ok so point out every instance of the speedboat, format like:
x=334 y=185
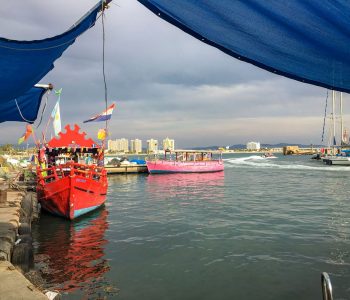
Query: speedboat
x=268 y=155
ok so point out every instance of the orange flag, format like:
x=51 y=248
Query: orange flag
x=26 y=135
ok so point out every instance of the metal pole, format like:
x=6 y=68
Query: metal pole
x=333 y=119
x=341 y=118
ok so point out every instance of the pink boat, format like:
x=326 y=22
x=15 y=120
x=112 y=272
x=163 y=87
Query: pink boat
x=185 y=161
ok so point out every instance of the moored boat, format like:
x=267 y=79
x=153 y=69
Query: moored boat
x=75 y=185
x=341 y=159
x=185 y=161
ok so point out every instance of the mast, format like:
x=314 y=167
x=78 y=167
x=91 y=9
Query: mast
x=333 y=120
x=341 y=119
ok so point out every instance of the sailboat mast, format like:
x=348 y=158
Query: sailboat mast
x=341 y=118
x=333 y=119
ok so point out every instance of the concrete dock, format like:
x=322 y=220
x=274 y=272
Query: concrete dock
x=14 y=286
x=17 y=210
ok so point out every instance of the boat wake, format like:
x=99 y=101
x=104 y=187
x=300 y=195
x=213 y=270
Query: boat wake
x=260 y=162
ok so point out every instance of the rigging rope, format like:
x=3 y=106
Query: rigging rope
x=43 y=110
x=20 y=113
x=104 y=6
x=324 y=118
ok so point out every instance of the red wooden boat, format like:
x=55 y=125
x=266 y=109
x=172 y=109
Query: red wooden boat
x=71 y=179
x=185 y=161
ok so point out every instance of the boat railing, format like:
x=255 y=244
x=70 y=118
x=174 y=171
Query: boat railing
x=188 y=162
x=326 y=286
x=46 y=175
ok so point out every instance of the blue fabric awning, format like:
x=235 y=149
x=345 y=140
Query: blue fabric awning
x=25 y=63
x=24 y=108
x=306 y=40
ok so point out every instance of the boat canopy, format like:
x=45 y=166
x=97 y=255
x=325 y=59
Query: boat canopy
x=72 y=139
x=24 y=108
x=25 y=63
x=305 y=40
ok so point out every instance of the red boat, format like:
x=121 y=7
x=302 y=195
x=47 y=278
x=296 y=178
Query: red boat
x=71 y=179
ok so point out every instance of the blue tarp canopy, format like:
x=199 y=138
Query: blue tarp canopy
x=306 y=40
x=24 y=108
x=24 y=63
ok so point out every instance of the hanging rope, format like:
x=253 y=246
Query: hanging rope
x=44 y=108
x=324 y=118
x=20 y=113
x=104 y=6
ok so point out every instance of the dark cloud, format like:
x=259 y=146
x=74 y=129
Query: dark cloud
x=165 y=82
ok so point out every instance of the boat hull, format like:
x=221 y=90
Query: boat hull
x=338 y=161
x=164 y=166
x=72 y=196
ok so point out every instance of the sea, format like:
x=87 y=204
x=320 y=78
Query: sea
x=262 y=229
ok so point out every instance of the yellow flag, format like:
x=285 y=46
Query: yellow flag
x=101 y=135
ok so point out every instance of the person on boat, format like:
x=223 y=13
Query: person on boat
x=42 y=161
x=88 y=160
x=100 y=158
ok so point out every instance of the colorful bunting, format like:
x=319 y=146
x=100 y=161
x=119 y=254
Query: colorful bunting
x=26 y=135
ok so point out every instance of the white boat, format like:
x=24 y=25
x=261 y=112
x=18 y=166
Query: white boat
x=342 y=159
x=339 y=161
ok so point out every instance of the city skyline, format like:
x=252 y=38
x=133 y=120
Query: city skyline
x=122 y=145
x=163 y=81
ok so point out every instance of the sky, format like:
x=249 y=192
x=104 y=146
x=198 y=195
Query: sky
x=165 y=83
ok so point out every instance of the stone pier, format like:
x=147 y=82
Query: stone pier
x=17 y=211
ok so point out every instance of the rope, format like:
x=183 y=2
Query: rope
x=103 y=61
x=44 y=109
x=324 y=118
x=20 y=113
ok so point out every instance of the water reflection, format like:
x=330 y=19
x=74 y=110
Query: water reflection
x=70 y=255
x=203 y=185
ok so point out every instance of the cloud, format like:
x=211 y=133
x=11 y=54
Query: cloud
x=165 y=82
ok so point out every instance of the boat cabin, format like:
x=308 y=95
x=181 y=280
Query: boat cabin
x=71 y=147
x=192 y=155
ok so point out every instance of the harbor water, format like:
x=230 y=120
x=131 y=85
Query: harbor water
x=262 y=229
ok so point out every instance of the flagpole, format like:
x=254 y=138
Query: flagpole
x=47 y=125
x=35 y=140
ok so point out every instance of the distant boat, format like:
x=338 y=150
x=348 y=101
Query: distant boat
x=268 y=155
x=71 y=187
x=342 y=159
x=186 y=161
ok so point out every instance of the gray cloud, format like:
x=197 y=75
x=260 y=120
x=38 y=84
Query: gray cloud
x=165 y=82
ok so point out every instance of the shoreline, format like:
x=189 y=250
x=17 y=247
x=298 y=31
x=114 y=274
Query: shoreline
x=20 y=280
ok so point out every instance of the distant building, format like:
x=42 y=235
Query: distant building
x=168 y=144
x=152 y=146
x=118 y=145
x=136 y=146
x=253 y=146
x=112 y=145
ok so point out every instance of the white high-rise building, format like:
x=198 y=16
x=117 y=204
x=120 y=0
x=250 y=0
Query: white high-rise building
x=253 y=146
x=136 y=146
x=168 y=144
x=118 y=145
x=122 y=145
x=152 y=146
x=112 y=145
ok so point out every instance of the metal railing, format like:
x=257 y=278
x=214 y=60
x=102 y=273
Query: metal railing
x=326 y=286
x=70 y=169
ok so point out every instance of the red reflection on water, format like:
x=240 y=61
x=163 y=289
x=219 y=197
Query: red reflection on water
x=205 y=185
x=70 y=254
